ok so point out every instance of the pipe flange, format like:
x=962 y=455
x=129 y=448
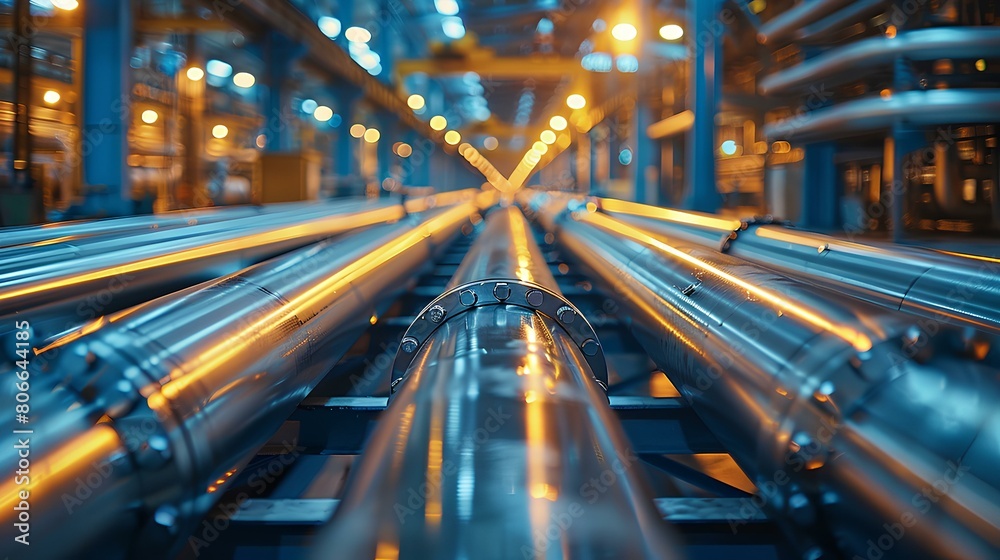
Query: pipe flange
x=501 y=292
x=759 y=220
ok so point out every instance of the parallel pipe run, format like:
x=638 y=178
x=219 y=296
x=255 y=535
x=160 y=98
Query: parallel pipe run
x=785 y=24
x=60 y=296
x=863 y=432
x=73 y=231
x=498 y=445
x=872 y=114
x=164 y=402
x=855 y=13
x=17 y=261
x=944 y=289
x=920 y=44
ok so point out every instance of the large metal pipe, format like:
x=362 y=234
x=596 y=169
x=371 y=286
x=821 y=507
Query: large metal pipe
x=498 y=444
x=784 y=25
x=64 y=232
x=872 y=114
x=60 y=296
x=54 y=251
x=944 y=289
x=146 y=414
x=851 y=15
x=848 y=62
x=866 y=435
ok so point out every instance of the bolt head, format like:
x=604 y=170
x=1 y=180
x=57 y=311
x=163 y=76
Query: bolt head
x=409 y=345
x=590 y=347
x=437 y=314
x=566 y=315
x=534 y=298
x=501 y=292
x=468 y=298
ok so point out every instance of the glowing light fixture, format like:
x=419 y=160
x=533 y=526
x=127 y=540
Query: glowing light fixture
x=358 y=34
x=491 y=143
x=548 y=136
x=576 y=101
x=415 y=102
x=404 y=150
x=309 y=105
x=357 y=130
x=728 y=147
x=438 y=122
x=540 y=147
x=323 y=113
x=446 y=7
x=219 y=69
x=149 y=116
x=195 y=74
x=244 y=79
x=624 y=32
x=330 y=26
x=558 y=122
x=51 y=97
x=671 y=32
x=67 y=5
x=372 y=135
x=220 y=131
x=452 y=137
x=453 y=27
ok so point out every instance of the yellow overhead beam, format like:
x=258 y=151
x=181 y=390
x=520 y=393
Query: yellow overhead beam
x=493 y=67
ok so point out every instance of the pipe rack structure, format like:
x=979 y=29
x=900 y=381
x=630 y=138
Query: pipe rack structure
x=858 y=427
x=160 y=404
x=500 y=426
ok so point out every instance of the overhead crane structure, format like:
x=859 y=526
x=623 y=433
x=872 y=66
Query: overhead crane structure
x=429 y=380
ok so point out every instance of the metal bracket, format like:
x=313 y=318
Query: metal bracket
x=766 y=220
x=501 y=292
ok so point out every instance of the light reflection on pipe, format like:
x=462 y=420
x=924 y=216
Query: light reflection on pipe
x=859 y=340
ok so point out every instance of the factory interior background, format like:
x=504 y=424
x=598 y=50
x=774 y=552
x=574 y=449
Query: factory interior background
x=500 y=279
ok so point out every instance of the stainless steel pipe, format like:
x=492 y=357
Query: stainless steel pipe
x=59 y=296
x=143 y=412
x=866 y=435
x=71 y=231
x=876 y=113
x=848 y=61
x=55 y=251
x=498 y=444
x=784 y=25
x=944 y=289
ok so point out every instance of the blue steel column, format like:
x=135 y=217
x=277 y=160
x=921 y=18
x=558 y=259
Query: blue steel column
x=905 y=140
x=345 y=146
x=282 y=52
x=705 y=54
x=645 y=154
x=820 y=188
x=107 y=36
x=389 y=135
